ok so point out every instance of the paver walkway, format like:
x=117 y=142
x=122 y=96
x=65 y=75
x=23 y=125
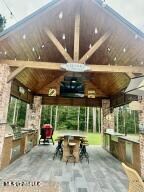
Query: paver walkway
x=103 y=174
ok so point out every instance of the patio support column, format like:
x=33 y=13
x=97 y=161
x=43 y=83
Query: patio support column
x=141 y=138
x=5 y=89
x=107 y=116
x=33 y=114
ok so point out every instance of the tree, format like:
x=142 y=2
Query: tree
x=94 y=119
x=2 y=22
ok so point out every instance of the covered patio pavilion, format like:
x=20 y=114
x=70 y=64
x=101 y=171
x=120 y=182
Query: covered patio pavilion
x=78 y=35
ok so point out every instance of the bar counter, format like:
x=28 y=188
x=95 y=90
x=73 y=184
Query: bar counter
x=124 y=148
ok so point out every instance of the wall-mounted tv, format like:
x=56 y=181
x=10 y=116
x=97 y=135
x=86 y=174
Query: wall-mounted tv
x=72 y=87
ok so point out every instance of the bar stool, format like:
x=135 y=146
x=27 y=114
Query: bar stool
x=59 y=148
x=71 y=146
x=83 y=152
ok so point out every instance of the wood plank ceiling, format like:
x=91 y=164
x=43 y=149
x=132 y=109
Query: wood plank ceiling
x=28 y=41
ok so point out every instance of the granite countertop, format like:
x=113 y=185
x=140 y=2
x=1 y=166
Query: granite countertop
x=130 y=138
x=114 y=133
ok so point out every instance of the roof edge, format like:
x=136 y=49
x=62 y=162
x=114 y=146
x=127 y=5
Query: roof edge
x=27 y=18
x=121 y=18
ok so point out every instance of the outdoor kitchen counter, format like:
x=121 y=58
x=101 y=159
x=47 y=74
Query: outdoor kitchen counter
x=13 y=148
x=124 y=148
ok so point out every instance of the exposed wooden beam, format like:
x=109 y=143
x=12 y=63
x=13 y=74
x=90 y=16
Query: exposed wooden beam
x=76 y=38
x=15 y=73
x=33 y=64
x=93 y=49
x=59 y=46
x=57 y=66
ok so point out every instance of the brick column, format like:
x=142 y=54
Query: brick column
x=107 y=117
x=4 y=102
x=33 y=116
x=141 y=137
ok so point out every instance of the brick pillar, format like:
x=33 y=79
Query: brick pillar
x=141 y=137
x=107 y=116
x=4 y=102
x=33 y=115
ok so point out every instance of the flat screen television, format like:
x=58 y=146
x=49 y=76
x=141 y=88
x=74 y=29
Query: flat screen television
x=72 y=87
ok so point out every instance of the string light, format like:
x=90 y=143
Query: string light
x=11 y=13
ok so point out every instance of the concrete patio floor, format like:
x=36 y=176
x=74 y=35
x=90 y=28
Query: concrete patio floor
x=103 y=174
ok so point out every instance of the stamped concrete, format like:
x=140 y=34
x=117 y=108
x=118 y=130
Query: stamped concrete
x=103 y=174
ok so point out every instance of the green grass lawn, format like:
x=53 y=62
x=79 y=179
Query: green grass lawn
x=93 y=138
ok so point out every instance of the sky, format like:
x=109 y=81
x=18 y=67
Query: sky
x=132 y=10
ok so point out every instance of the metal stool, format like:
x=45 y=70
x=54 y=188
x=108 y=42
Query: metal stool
x=83 y=152
x=59 y=148
x=71 y=148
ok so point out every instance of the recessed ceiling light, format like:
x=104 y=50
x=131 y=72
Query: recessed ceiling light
x=90 y=46
x=24 y=36
x=124 y=50
x=43 y=46
x=63 y=36
x=61 y=15
x=33 y=49
x=96 y=31
x=115 y=59
x=5 y=53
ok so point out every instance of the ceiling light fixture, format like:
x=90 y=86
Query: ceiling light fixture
x=63 y=36
x=43 y=46
x=124 y=50
x=115 y=59
x=61 y=15
x=5 y=53
x=96 y=31
x=33 y=49
x=90 y=46
x=141 y=62
x=24 y=36
x=108 y=49
x=75 y=67
x=136 y=36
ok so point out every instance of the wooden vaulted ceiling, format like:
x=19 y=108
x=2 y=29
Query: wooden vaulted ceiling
x=92 y=16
